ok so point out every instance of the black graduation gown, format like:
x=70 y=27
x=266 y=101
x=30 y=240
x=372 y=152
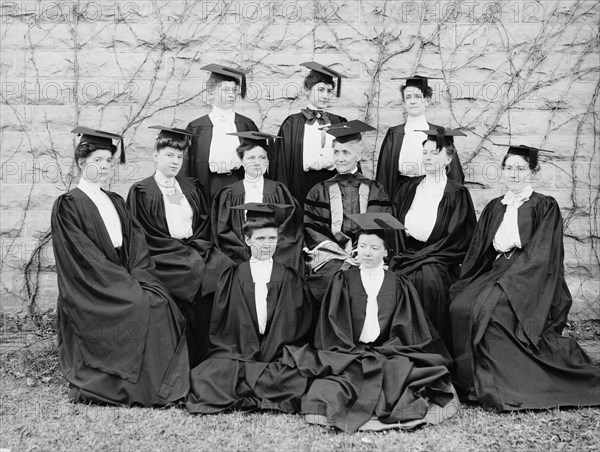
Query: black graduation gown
x=396 y=379
x=387 y=165
x=190 y=267
x=245 y=369
x=508 y=315
x=195 y=161
x=318 y=221
x=227 y=224
x=287 y=164
x=433 y=266
x=121 y=337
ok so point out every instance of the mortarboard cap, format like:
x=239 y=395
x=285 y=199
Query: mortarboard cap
x=229 y=73
x=328 y=72
x=417 y=81
x=349 y=131
x=443 y=137
x=527 y=151
x=376 y=221
x=261 y=139
x=100 y=138
x=172 y=132
x=382 y=224
x=262 y=210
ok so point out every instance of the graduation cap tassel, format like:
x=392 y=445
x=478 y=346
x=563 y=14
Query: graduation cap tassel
x=122 y=156
x=339 y=86
x=440 y=139
x=243 y=87
x=390 y=236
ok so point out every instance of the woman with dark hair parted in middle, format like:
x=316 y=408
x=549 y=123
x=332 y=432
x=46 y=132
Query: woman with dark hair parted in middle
x=304 y=154
x=439 y=217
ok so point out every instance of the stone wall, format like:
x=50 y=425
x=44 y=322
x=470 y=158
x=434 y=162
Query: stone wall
x=520 y=70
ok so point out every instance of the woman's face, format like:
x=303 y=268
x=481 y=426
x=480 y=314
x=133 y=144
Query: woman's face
x=516 y=173
x=434 y=161
x=96 y=167
x=371 y=251
x=169 y=161
x=320 y=95
x=255 y=162
x=224 y=95
x=346 y=156
x=414 y=101
x=262 y=243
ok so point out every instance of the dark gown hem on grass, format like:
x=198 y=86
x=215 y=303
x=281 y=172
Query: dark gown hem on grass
x=394 y=378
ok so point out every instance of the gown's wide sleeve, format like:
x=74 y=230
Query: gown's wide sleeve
x=225 y=222
x=385 y=164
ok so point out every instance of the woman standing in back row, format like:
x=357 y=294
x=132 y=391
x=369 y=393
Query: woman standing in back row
x=304 y=155
x=401 y=154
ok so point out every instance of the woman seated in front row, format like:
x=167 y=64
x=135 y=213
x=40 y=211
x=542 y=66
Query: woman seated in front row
x=173 y=211
x=439 y=217
x=121 y=337
x=260 y=306
x=227 y=221
x=511 y=303
x=376 y=365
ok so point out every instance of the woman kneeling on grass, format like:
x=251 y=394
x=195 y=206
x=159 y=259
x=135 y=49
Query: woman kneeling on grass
x=375 y=366
x=120 y=335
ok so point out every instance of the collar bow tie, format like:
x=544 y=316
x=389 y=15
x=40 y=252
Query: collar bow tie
x=510 y=198
x=315 y=115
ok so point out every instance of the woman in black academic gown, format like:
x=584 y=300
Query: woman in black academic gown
x=212 y=158
x=173 y=210
x=260 y=307
x=400 y=154
x=376 y=365
x=439 y=217
x=227 y=224
x=511 y=304
x=121 y=337
x=304 y=154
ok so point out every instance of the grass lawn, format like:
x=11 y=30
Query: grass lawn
x=35 y=414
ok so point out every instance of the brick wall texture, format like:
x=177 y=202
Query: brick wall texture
x=520 y=70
